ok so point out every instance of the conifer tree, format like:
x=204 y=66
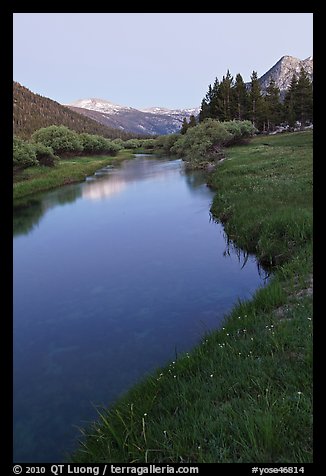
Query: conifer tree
x=204 y=110
x=240 y=95
x=192 y=121
x=215 y=104
x=272 y=106
x=184 y=126
x=225 y=97
x=289 y=103
x=256 y=102
x=206 y=103
x=303 y=104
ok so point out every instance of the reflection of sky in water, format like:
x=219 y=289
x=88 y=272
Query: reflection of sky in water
x=108 y=182
x=119 y=273
x=100 y=189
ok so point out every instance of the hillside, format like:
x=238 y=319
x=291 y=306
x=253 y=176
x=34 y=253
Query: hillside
x=32 y=111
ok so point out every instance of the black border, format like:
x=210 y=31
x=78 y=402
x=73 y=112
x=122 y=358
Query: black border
x=6 y=232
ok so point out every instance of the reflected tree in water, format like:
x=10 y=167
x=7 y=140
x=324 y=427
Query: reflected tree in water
x=29 y=212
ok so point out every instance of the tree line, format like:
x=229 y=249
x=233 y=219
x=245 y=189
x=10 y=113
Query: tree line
x=232 y=99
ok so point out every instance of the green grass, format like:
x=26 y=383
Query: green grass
x=266 y=204
x=245 y=393
x=75 y=169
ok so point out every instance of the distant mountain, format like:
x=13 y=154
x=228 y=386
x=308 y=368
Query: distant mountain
x=154 y=120
x=32 y=111
x=100 y=105
x=283 y=71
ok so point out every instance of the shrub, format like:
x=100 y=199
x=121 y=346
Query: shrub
x=45 y=155
x=94 y=144
x=111 y=148
x=148 y=143
x=132 y=144
x=24 y=154
x=202 y=143
x=62 y=140
x=119 y=142
x=166 y=142
x=90 y=143
x=240 y=130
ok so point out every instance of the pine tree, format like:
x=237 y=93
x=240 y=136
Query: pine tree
x=214 y=107
x=289 y=103
x=206 y=107
x=204 y=110
x=272 y=106
x=240 y=103
x=225 y=97
x=298 y=102
x=184 y=126
x=192 y=121
x=303 y=104
x=256 y=102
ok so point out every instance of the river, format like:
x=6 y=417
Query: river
x=113 y=277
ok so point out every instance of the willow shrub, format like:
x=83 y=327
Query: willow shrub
x=62 y=140
x=202 y=143
x=45 y=155
x=24 y=154
x=95 y=144
x=205 y=142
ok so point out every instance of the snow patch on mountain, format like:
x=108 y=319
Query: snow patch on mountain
x=172 y=112
x=100 y=105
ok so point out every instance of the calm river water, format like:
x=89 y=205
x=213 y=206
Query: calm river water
x=112 y=278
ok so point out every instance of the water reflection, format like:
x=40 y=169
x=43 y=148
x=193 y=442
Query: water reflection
x=98 y=189
x=243 y=256
x=194 y=178
x=108 y=182
x=29 y=211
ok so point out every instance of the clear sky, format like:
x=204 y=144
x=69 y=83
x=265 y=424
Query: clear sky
x=150 y=59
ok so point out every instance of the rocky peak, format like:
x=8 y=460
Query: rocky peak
x=283 y=70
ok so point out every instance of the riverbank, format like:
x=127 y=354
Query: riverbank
x=75 y=169
x=245 y=393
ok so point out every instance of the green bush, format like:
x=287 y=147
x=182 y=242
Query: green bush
x=24 y=154
x=95 y=144
x=132 y=144
x=90 y=143
x=202 y=143
x=44 y=154
x=240 y=130
x=148 y=143
x=165 y=143
x=111 y=148
x=62 y=140
x=119 y=142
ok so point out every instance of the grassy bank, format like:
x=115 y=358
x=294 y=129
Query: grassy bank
x=245 y=393
x=40 y=178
